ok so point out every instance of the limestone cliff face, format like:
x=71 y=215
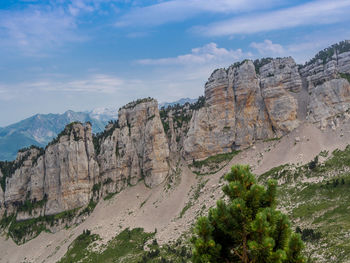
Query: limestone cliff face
x=249 y=101
x=70 y=170
x=252 y=119
x=279 y=79
x=242 y=107
x=328 y=100
x=136 y=149
x=212 y=126
x=62 y=177
x=176 y=123
x=329 y=94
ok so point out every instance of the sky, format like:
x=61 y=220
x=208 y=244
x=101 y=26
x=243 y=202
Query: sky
x=85 y=54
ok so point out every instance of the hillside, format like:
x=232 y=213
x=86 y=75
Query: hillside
x=160 y=169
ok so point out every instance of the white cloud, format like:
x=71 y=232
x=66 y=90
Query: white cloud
x=319 y=12
x=36 y=29
x=268 y=48
x=32 y=31
x=98 y=83
x=180 y=10
x=209 y=53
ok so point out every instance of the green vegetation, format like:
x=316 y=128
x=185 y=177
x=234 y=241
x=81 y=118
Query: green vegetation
x=107 y=181
x=96 y=188
x=109 y=196
x=30 y=205
x=326 y=54
x=90 y=207
x=132 y=104
x=22 y=231
x=194 y=197
x=258 y=63
x=99 y=137
x=181 y=113
x=239 y=63
x=8 y=168
x=200 y=103
x=247 y=228
x=272 y=139
x=213 y=163
x=345 y=76
x=316 y=197
x=67 y=131
x=128 y=246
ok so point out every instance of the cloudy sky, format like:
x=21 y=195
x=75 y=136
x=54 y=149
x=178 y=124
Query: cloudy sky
x=84 y=54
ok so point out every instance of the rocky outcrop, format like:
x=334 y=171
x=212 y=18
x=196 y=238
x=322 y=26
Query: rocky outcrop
x=136 y=149
x=70 y=170
x=212 y=127
x=251 y=118
x=249 y=101
x=176 y=123
x=279 y=79
x=60 y=179
x=328 y=91
x=242 y=107
x=328 y=100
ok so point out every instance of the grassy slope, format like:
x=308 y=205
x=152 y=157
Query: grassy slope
x=125 y=247
x=317 y=198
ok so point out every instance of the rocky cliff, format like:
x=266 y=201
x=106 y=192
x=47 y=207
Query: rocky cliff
x=59 y=178
x=268 y=98
x=247 y=102
x=243 y=106
x=136 y=148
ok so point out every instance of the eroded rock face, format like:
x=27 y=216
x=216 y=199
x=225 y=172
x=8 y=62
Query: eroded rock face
x=328 y=91
x=279 y=78
x=70 y=170
x=136 y=150
x=212 y=128
x=252 y=121
x=328 y=100
x=242 y=107
x=63 y=175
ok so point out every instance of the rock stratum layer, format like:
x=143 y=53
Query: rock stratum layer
x=247 y=102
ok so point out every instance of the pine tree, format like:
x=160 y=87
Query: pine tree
x=248 y=228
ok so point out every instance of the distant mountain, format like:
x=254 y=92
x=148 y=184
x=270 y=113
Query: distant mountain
x=180 y=102
x=42 y=128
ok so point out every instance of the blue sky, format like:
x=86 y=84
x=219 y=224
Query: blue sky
x=84 y=54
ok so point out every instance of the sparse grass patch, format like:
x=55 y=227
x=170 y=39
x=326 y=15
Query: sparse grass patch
x=212 y=164
x=316 y=197
x=128 y=246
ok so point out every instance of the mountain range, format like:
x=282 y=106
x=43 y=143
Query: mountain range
x=132 y=192
x=40 y=129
